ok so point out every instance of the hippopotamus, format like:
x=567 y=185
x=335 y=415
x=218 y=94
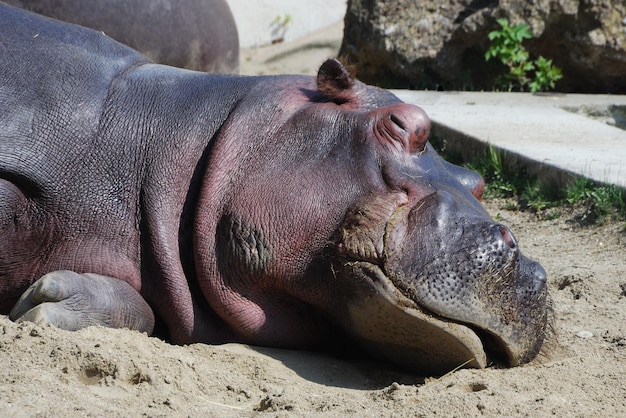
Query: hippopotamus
x=195 y=34
x=286 y=211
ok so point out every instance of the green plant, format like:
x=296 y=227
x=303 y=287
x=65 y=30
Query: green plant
x=283 y=21
x=600 y=201
x=279 y=27
x=500 y=183
x=595 y=203
x=591 y=203
x=506 y=45
x=537 y=198
x=546 y=75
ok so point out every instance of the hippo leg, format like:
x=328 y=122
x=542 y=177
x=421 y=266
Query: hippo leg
x=72 y=301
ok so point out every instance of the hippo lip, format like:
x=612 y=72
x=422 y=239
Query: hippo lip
x=500 y=342
x=395 y=327
x=494 y=346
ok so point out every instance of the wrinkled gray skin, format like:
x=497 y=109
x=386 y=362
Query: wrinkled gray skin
x=286 y=211
x=194 y=34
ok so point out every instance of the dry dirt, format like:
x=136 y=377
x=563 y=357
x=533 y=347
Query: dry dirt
x=105 y=372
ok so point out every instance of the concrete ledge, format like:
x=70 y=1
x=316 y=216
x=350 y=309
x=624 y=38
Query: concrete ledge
x=536 y=131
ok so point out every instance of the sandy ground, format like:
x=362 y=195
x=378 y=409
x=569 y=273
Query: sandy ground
x=104 y=372
x=303 y=56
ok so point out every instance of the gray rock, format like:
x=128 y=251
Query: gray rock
x=441 y=44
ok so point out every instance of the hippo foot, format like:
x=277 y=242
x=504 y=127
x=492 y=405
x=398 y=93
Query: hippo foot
x=73 y=301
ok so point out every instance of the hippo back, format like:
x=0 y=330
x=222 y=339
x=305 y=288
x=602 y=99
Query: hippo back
x=72 y=67
x=194 y=34
x=54 y=80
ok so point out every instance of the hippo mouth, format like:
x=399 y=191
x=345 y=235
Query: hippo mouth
x=393 y=327
x=474 y=300
x=390 y=324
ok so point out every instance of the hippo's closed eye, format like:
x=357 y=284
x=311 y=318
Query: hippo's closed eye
x=404 y=127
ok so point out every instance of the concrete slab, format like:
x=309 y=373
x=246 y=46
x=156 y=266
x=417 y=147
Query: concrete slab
x=554 y=136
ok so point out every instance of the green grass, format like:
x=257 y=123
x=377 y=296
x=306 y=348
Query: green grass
x=593 y=203
x=601 y=202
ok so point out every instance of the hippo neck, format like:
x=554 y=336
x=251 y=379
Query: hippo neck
x=174 y=107
x=174 y=117
x=167 y=118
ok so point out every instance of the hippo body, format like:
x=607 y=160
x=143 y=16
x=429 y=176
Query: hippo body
x=194 y=34
x=278 y=210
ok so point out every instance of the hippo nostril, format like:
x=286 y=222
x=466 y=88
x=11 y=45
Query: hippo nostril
x=507 y=236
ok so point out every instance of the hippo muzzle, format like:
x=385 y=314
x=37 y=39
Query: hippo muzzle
x=471 y=271
x=472 y=296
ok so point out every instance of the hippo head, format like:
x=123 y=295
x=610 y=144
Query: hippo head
x=343 y=209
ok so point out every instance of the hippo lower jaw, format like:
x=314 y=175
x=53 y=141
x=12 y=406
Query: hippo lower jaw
x=394 y=327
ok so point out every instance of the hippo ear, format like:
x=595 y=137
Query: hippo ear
x=334 y=80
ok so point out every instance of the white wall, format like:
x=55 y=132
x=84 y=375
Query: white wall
x=256 y=19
